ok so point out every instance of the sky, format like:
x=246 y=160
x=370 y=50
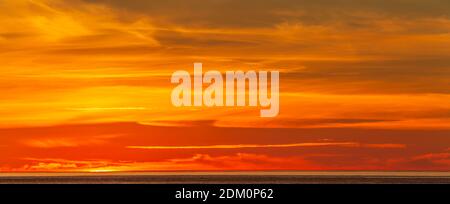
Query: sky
x=85 y=85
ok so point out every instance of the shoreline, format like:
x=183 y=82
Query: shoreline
x=231 y=173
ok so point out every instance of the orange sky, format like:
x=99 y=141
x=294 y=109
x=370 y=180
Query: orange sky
x=86 y=85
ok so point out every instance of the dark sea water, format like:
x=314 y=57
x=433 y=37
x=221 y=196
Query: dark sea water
x=230 y=178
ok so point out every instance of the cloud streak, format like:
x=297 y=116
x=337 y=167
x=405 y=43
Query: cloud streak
x=240 y=146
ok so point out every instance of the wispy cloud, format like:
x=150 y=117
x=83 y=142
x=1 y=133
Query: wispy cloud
x=203 y=162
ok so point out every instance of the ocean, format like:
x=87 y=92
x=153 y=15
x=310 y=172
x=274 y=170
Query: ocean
x=291 y=177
